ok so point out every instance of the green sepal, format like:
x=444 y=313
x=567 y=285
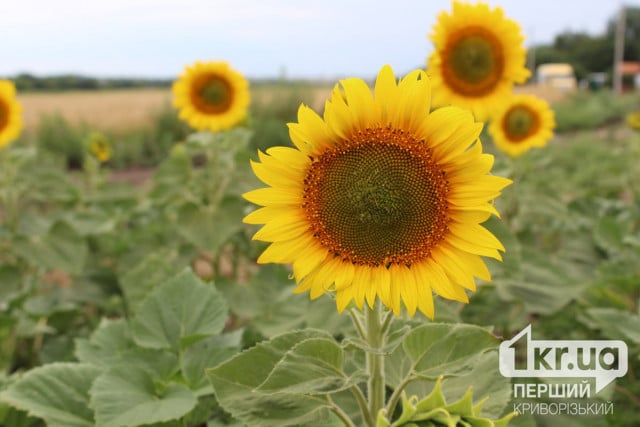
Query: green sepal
x=433 y=410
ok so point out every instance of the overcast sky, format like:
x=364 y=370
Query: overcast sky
x=261 y=38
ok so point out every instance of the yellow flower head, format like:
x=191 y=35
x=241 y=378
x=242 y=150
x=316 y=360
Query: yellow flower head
x=10 y=114
x=521 y=124
x=211 y=96
x=380 y=199
x=99 y=147
x=633 y=120
x=478 y=56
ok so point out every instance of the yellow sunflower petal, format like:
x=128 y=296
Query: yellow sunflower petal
x=386 y=94
x=521 y=124
x=10 y=114
x=211 y=96
x=423 y=288
x=408 y=290
x=478 y=56
x=441 y=284
x=381 y=199
x=343 y=298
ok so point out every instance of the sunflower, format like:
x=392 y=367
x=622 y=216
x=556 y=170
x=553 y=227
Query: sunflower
x=521 y=124
x=380 y=198
x=478 y=57
x=99 y=147
x=633 y=120
x=10 y=114
x=211 y=96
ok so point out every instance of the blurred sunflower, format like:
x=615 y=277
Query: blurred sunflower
x=211 y=96
x=99 y=147
x=478 y=56
x=380 y=198
x=633 y=120
x=10 y=114
x=521 y=124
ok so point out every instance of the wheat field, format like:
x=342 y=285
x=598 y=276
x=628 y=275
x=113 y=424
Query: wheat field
x=124 y=109
x=114 y=109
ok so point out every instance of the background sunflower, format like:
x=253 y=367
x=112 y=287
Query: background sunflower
x=211 y=96
x=10 y=114
x=522 y=123
x=478 y=56
x=99 y=146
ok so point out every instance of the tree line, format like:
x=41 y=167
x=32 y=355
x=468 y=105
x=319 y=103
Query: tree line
x=28 y=82
x=592 y=54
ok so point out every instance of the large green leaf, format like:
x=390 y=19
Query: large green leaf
x=61 y=248
x=312 y=366
x=107 y=343
x=91 y=222
x=446 y=349
x=128 y=396
x=616 y=324
x=112 y=345
x=462 y=354
x=57 y=393
x=208 y=227
x=236 y=381
x=56 y=300
x=547 y=283
x=486 y=381
x=610 y=233
x=178 y=313
x=204 y=354
x=11 y=285
x=148 y=273
x=269 y=301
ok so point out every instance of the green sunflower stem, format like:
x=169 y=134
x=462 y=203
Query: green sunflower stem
x=376 y=338
x=8 y=195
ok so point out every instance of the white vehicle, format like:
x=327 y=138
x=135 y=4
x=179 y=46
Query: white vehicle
x=558 y=76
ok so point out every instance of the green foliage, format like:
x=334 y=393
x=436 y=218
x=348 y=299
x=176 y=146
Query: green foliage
x=90 y=301
x=56 y=135
x=137 y=147
x=169 y=318
x=584 y=110
x=129 y=396
x=434 y=410
x=128 y=374
x=57 y=393
x=294 y=378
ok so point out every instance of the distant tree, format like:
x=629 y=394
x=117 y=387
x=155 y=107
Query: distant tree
x=588 y=53
x=632 y=33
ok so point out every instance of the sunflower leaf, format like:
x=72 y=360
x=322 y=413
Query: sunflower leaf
x=179 y=313
x=210 y=228
x=151 y=271
x=129 y=396
x=107 y=343
x=60 y=248
x=616 y=323
x=236 y=383
x=446 y=349
x=312 y=366
x=58 y=393
x=205 y=353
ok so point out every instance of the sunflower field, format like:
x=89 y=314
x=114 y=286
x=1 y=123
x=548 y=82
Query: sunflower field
x=373 y=260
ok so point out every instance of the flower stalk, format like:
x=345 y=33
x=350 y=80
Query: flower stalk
x=376 y=337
